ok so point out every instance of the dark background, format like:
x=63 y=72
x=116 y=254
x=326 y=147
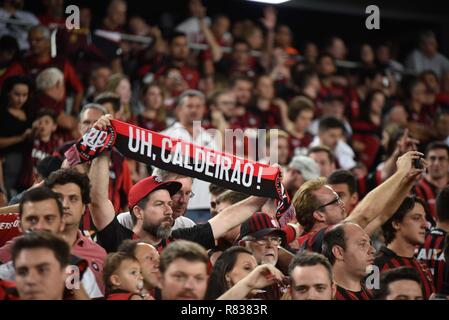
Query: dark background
x=400 y=20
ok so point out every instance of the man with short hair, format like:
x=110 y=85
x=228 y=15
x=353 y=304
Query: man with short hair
x=51 y=92
x=182 y=197
x=300 y=112
x=324 y=157
x=224 y=102
x=110 y=101
x=401 y=283
x=180 y=201
x=39 y=210
x=318 y=206
x=432 y=251
x=349 y=250
x=405 y=230
x=98 y=82
x=330 y=134
x=31 y=254
x=176 y=58
x=183 y=267
x=344 y=184
x=427 y=56
x=73 y=188
x=436 y=178
x=242 y=87
x=150 y=202
x=311 y=277
x=88 y=115
x=191 y=108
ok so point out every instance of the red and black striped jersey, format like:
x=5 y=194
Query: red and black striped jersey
x=41 y=149
x=386 y=259
x=432 y=253
x=313 y=241
x=369 y=182
x=428 y=192
x=345 y=294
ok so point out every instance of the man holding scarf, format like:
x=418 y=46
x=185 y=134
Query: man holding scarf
x=149 y=202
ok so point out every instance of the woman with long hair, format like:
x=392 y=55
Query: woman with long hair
x=232 y=266
x=15 y=129
x=153 y=115
x=367 y=130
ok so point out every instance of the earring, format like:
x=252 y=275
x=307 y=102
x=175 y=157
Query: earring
x=228 y=282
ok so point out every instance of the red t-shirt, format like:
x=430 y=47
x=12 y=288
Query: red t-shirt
x=28 y=67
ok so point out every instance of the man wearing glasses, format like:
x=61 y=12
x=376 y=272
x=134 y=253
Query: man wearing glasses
x=261 y=235
x=180 y=201
x=319 y=207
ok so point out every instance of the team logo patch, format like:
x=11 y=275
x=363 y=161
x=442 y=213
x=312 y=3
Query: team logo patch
x=94 y=142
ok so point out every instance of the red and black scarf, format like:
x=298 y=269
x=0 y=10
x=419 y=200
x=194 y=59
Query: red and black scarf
x=186 y=159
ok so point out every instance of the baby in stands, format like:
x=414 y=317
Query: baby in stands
x=123 y=278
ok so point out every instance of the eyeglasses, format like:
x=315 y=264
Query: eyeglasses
x=275 y=241
x=336 y=200
x=180 y=194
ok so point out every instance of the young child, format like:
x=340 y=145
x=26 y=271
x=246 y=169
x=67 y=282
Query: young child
x=122 y=278
x=46 y=139
x=43 y=142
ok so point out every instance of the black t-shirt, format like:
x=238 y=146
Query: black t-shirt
x=10 y=126
x=345 y=294
x=114 y=234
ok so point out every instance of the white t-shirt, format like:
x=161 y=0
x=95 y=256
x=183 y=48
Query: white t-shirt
x=125 y=220
x=200 y=188
x=419 y=62
x=191 y=27
x=343 y=152
x=19 y=32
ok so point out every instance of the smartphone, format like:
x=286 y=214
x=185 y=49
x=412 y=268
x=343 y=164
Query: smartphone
x=417 y=163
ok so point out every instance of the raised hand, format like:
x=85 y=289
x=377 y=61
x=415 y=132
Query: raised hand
x=406 y=143
x=270 y=17
x=103 y=122
x=263 y=276
x=406 y=164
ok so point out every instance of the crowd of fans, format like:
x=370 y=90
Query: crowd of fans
x=363 y=148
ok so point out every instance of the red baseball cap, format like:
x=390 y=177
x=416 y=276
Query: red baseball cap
x=145 y=186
